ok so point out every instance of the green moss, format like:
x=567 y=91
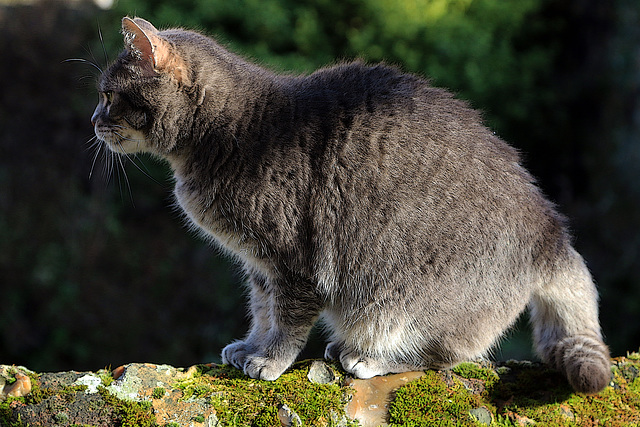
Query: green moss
x=105 y=376
x=239 y=400
x=36 y=396
x=470 y=370
x=502 y=370
x=68 y=393
x=266 y=417
x=5 y=412
x=519 y=395
x=158 y=392
x=545 y=397
x=5 y=419
x=430 y=401
x=633 y=356
x=514 y=395
x=130 y=413
x=5 y=406
x=61 y=417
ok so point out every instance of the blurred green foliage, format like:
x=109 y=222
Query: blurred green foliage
x=98 y=270
x=482 y=49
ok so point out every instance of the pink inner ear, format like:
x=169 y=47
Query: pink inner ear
x=156 y=53
x=137 y=41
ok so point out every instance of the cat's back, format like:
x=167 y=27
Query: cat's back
x=399 y=154
x=401 y=108
x=381 y=119
x=354 y=87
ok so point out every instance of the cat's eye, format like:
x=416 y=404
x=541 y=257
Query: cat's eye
x=108 y=97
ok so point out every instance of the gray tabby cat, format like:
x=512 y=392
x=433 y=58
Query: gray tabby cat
x=359 y=195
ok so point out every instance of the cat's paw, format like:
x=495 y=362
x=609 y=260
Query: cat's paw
x=236 y=353
x=265 y=368
x=360 y=366
x=252 y=362
x=333 y=350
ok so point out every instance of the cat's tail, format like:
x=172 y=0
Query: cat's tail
x=564 y=316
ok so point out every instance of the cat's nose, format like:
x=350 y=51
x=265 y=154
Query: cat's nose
x=94 y=116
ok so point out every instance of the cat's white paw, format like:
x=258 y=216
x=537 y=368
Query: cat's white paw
x=236 y=353
x=332 y=351
x=264 y=368
x=253 y=363
x=362 y=366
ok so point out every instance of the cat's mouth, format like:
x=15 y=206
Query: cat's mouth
x=120 y=139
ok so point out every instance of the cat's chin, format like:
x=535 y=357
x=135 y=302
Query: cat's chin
x=123 y=141
x=123 y=148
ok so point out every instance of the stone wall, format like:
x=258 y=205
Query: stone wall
x=316 y=393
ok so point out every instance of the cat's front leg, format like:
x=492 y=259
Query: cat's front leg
x=277 y=351
x=260 y=308
x=283 y=313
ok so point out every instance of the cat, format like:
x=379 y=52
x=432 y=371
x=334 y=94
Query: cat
x=360 y=196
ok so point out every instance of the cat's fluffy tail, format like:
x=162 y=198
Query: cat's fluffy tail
x=564 y=316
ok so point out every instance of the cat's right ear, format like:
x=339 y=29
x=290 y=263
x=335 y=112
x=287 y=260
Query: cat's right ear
x=154 y=53
x=138 y=43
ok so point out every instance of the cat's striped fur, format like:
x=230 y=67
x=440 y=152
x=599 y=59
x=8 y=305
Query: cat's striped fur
x=360 y=195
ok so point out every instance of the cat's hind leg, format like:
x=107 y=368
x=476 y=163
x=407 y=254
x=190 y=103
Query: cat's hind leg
x=564 y=316
x=371 y=346
x=363 y=366
x=378 y=346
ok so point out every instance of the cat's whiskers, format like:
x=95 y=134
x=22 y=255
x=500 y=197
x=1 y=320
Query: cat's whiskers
x=111 y=160
x=84 y=61
x=131 y=158
x=86 y=77
x=104 y=49
x=96 y=145
x=93 y=142
x=124 y=171
x=93 y=57
x=108 y=171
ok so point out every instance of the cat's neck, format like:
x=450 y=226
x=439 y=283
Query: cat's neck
x=236 y=100
x=231 y=98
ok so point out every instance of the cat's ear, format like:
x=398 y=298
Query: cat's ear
x=145 y=25
x=155 y=53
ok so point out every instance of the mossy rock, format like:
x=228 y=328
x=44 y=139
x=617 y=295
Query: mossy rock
x=471 y=394
x=517 y=394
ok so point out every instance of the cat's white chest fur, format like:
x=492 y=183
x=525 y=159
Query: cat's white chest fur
x=207 y=216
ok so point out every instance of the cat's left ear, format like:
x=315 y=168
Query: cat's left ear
x=156 y=54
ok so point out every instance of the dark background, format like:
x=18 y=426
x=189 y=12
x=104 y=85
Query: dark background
x=96 y=268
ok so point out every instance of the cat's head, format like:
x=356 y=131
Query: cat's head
x=145 y=94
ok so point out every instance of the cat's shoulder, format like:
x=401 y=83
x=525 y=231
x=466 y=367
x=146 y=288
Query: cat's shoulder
x=361 y=69
x=359 y=79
